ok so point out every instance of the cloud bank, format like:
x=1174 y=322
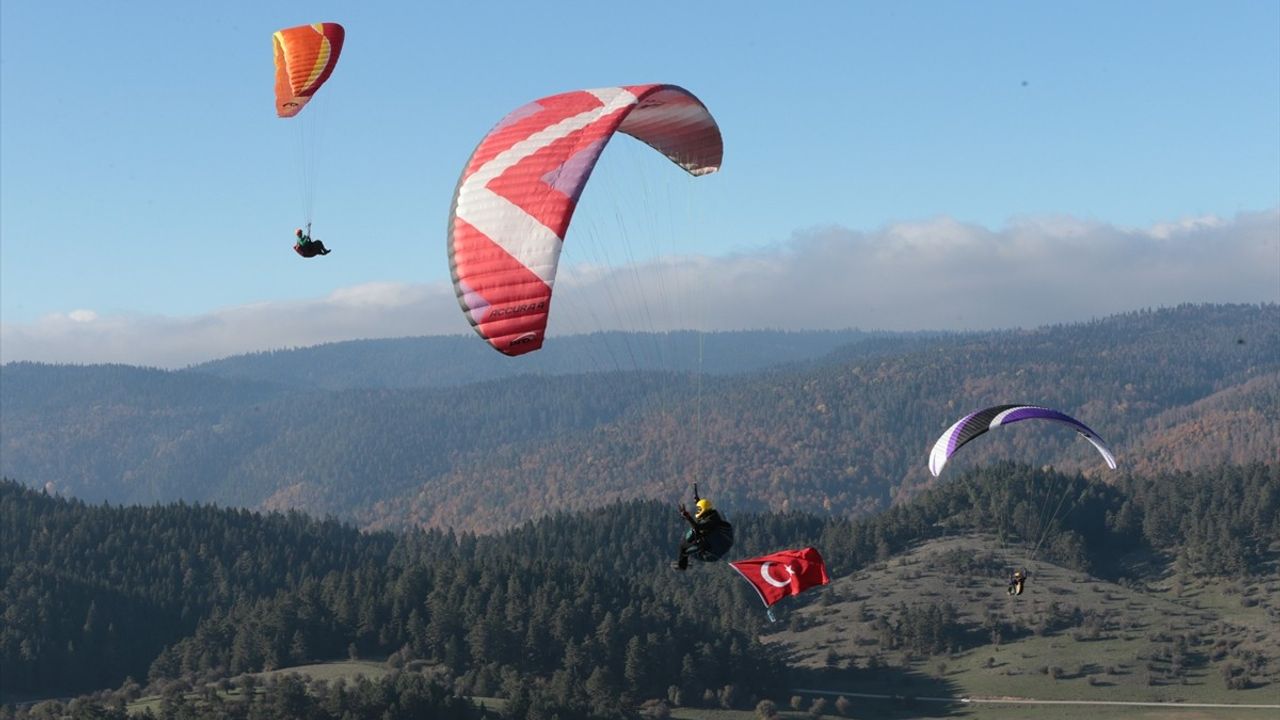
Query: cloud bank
x=936 y=274
x=372 y=310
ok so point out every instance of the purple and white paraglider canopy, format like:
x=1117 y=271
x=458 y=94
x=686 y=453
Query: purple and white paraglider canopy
x=974 y=424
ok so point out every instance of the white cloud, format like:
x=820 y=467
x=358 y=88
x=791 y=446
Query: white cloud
x=944 y=274
x=937 y=274
x=364 y=311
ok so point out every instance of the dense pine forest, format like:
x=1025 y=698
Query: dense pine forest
x=843 y=433
x=575 y=614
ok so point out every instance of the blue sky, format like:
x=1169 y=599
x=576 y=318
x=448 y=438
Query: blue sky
x=143 y=173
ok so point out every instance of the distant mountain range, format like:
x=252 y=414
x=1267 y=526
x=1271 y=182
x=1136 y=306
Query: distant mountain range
x=445 y=432
x=442 y=361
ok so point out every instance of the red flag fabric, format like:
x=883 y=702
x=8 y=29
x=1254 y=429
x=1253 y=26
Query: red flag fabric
x=784 y=573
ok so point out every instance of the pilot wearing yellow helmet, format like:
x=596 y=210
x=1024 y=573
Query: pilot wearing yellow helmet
x=709 y=536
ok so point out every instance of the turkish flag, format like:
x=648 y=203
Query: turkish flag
x=786 y=572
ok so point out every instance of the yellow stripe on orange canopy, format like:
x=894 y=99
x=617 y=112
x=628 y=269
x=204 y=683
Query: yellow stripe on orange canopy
x=305 y=57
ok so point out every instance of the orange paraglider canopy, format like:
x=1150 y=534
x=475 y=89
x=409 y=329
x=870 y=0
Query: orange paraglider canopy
x=305 y=57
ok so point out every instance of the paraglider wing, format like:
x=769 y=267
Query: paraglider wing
x=974 y=424
x=518 y=191
x=305 y=57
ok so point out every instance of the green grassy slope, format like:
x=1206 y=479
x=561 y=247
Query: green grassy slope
x=1158 y=637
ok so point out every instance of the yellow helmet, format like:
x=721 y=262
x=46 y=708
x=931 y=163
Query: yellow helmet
x=704 y=507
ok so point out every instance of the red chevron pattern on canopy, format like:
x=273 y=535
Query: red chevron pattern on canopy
x=517 y=195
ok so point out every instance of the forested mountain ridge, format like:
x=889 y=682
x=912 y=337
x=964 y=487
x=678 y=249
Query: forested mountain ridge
x=575 y=611
x=1231 y=425
x=1176 y=388
x=852 y=434
x=93 y=593
x=125 y=433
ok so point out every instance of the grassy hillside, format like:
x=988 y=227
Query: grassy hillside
x=1154 y=636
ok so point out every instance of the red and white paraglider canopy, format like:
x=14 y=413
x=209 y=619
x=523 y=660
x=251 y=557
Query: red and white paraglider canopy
x=518 y=192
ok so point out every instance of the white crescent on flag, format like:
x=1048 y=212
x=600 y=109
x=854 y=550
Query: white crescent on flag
x=805 y=569
x=764 y=574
